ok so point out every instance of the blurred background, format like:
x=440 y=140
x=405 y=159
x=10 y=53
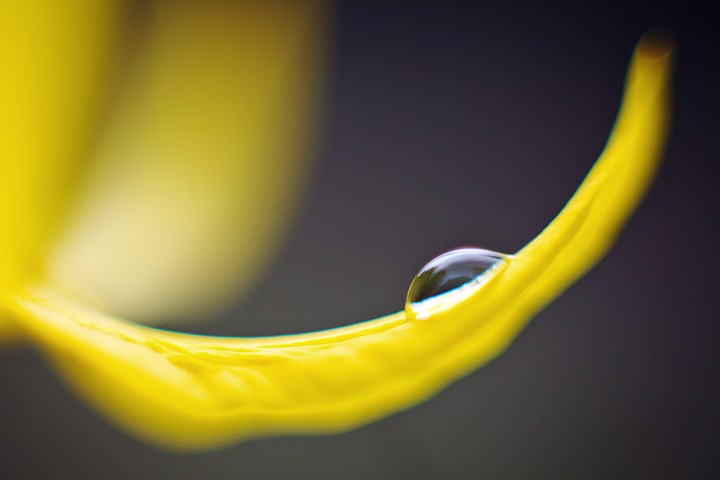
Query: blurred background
x=456 y=123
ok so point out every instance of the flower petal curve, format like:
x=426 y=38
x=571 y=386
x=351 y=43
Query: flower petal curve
x=199 y=392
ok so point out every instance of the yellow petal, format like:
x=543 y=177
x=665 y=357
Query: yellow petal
x=200 y=167
x=53 y=59
x=197 y=392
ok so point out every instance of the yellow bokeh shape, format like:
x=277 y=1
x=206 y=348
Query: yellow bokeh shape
x=164 y=193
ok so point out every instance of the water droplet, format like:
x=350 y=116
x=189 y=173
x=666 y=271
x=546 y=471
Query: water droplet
x=451 y=276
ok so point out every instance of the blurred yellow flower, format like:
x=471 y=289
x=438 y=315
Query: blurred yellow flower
x=213 y=123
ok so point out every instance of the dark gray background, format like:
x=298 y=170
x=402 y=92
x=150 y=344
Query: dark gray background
x=454 y=123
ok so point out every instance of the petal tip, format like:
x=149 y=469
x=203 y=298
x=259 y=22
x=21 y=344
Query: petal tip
x=657 y=44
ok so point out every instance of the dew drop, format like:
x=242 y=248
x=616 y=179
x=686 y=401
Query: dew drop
x=455 y=274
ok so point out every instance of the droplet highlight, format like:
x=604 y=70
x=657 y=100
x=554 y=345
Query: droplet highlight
x=450 y=277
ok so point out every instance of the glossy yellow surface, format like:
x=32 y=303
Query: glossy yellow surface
x=200 y=392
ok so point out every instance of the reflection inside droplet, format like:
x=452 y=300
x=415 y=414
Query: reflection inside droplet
x=449 y=277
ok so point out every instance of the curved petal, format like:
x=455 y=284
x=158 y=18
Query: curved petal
x=196 y=392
